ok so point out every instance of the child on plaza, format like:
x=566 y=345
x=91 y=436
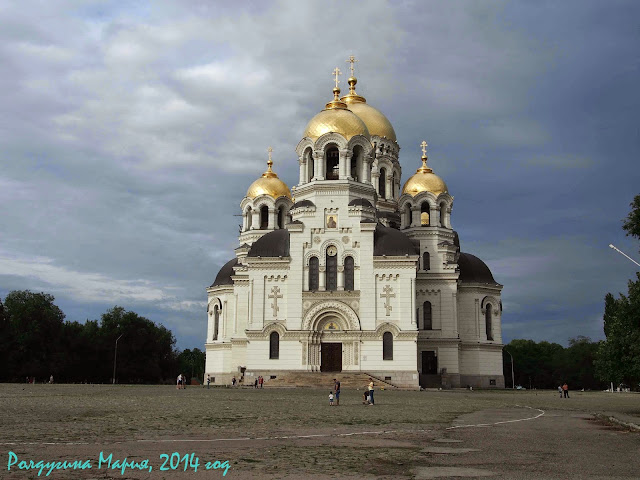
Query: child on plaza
x=331 y=398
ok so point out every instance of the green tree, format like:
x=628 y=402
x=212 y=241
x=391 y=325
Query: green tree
x=618 y=358
x=34 y=328
x=146 y=352
x=632 y=222
x=191 y=364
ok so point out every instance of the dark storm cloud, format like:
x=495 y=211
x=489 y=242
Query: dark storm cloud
x=130 y=134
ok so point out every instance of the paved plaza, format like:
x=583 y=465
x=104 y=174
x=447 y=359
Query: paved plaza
x=294 y=433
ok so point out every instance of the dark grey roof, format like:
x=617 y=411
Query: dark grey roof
x=392 y=242
x=360 y=202
x=474 y=270
x=273 y=244
x=296 y=222
x=224 y=275
x=367 y=220
x=303 y=203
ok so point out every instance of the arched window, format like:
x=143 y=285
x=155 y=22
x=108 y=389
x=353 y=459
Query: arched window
x=274 y=346
x=264 y=217
x=216 y=322
x=281 y=217
x=387 y=346
x=249 y=218
x=314 y=274
x=382 y=183
x=487 y=317
x=348 y=274
x=333 y=164
x=356 y=163
x=443 y=214
x=427 y=322
x=332 y=272
x=393 y=186
x=424 y=215
x=426 y=261
x=310 y=165
x=407 y=219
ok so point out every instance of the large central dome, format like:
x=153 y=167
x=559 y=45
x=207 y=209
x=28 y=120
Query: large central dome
x=374 y=119
x=339 y=120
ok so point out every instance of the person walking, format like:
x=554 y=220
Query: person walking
x=260 y=381
x=336 y=389
x=208 y=381
x=565 y=389
x=371 y=392
x=560 y=390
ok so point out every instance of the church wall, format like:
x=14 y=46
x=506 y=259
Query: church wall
x=289 y=358
x=471 y=317
x=295 y=281
x=481 y=365
x=367 y=282
x=218 y=359
x=404 y=356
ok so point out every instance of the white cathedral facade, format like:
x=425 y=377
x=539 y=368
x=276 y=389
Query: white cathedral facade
x=351 y=271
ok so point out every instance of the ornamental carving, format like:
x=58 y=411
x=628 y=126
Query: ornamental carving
x=341 y=311
x=345 y=239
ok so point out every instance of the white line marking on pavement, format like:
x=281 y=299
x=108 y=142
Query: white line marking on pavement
x=503 y=422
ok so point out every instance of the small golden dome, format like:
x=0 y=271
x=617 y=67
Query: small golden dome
x=269 y=184
x=336 y=118
x=424 y=180
x=374 y=119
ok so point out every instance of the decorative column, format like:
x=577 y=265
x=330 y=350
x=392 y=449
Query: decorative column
x=322 y=280
x=318 y=163
x=433 y=216
x=345 y=158
x=303 y=170
x=374 y=181
x=389 y=186
x=340 y=278
x=272 y=219
x=416 y=212
x=255 y=223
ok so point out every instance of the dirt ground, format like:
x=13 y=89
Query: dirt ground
x=294 y=433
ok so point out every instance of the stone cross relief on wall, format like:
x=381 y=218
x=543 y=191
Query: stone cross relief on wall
x=387 y=295
x=275 y=294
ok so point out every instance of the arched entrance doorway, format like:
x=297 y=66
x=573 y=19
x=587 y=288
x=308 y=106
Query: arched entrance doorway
x=330 y=349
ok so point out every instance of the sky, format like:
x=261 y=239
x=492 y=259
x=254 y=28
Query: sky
x=130 y=132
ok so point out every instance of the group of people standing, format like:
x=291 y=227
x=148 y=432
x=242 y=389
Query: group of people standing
x=564 y=390
x=335 y=393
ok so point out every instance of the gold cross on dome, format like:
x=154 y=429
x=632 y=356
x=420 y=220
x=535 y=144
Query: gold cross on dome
x=270 y=150
x=352 y=60
x=337 y=72
x=424 y=147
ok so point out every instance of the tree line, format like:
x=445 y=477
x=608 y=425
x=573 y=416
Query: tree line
x=547 y=365
x=37 y=342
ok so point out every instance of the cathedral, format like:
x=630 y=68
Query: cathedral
x=351 y=271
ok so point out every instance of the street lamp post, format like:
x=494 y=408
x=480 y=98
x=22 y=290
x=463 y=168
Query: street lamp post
x=115 y=356
x=513 y=383
x=622 y=253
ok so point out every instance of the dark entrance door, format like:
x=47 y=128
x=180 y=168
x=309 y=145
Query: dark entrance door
x=429 y=363
x=331 y=357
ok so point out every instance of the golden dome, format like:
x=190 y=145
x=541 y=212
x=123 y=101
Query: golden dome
x=424 y=180
x=336 y=118
x=376 y=122
x=269 y=184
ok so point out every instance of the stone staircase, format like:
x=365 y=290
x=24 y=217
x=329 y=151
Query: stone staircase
x=324 y=380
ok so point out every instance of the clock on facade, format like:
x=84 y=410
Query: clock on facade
x=332 y=250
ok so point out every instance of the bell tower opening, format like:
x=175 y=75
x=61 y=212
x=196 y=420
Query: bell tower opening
x=333 y=163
